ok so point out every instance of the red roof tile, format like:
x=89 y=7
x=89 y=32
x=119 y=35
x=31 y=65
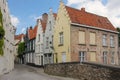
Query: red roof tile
x=55 y=15
x=32 y=32
x=19 y=37
x=43 y=25
x=85 y=18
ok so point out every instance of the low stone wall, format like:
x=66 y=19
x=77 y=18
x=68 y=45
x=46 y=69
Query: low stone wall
x=84 y=71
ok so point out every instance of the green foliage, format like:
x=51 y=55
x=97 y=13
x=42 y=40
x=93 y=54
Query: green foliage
x=1 y=48
x=118 y=29
x=21 y=48
x=2 y=33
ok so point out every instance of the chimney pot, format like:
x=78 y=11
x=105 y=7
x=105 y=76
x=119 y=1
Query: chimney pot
x=83 y=9
x=30 y=27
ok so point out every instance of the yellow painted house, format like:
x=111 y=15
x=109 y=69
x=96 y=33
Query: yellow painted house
x=83 y=36
x=62 y=36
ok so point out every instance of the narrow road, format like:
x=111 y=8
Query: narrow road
x=24 y=72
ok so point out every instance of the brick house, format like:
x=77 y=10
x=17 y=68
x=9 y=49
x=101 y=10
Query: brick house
x=83 y=36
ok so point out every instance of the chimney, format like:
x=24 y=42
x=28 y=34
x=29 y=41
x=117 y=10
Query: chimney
x=31 y=27
x=45 y=17
x=83 y=9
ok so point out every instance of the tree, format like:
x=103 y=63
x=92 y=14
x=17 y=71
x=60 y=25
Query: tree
x=21 y=48
x=2 y=33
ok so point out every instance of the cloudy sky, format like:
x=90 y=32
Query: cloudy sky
x=25 y=12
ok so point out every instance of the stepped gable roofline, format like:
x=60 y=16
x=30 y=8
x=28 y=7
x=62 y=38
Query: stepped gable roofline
x=90 y=19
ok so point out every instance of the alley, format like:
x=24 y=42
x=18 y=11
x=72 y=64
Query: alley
x=24 y=72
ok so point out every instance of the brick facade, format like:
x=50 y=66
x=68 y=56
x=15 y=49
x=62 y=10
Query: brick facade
x=98 y=48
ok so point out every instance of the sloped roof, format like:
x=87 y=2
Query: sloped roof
x=55 y=15
x=32 y=32
x=19 y=37
x=85 y=18
x=43 y=23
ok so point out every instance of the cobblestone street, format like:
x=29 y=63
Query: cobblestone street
x=24 y=72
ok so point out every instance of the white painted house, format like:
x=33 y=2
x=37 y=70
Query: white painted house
x=39 y=44
x=7 y=60
x=48 y=39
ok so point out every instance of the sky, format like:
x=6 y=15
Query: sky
x=24 y=13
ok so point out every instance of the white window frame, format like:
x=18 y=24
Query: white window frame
x=63 y=56
x=112 y=57
x=33 y=44
x=82 y=55
x=61 y=38
x=30 y=45
x=104 y=40
x=47 y=42
x=111 y=41
x=105 y=57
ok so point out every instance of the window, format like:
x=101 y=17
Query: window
x=50 y=25
x=47 y=42
x=82 y=56
x=38 y=37
x=61 y=38
x=81 y=37
x=105 y=57
x=63 y=57
x=52 y=40
x=112 y=58
x=92 y=38
x=4 y=11
x=111 y=41
x=30 y=45
x=104 y=40
x=33 y=44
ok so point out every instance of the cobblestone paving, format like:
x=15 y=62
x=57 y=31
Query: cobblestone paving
x=24 y=72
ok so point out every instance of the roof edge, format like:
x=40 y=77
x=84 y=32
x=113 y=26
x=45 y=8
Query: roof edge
x=93 y=27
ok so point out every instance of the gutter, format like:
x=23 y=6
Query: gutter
x=92 y=27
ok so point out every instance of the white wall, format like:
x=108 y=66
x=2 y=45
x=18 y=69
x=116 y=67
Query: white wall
x=7 y=60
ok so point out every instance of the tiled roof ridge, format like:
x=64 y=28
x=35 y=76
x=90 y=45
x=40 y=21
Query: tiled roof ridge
x=85 y=11
x=90 y=19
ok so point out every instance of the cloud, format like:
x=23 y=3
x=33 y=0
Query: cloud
x=15 y=21
x=34 y=17
x=23 y=30
x=109 y=9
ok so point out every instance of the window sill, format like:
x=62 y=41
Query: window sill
x=112 y=46
x=105 y=46
x=82 y=44
x=93 y=45
x=60 y=45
